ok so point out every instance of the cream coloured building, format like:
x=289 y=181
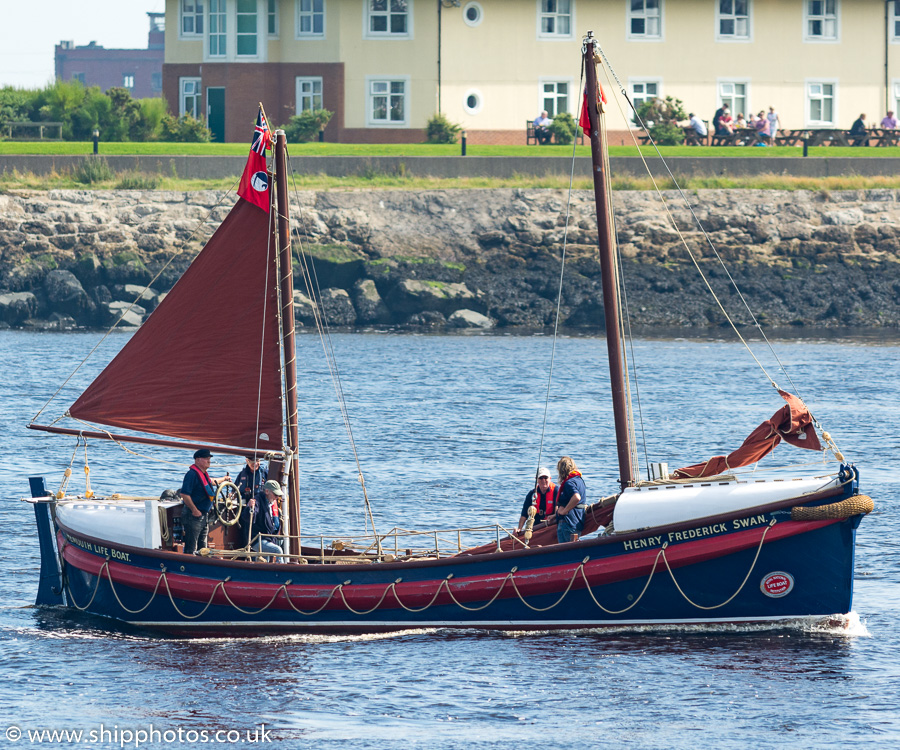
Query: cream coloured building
x=384 y=67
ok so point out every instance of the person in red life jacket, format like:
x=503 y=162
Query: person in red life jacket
x=197 y=492
x=249 y=482
x=571 y=500
x=541 y=496
x=267 y=518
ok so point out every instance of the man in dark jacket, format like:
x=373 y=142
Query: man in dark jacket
x=858 y=134
x=249 y=483
x=266 y=514
x=541 y=497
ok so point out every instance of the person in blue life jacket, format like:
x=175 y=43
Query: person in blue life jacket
x=266 y=513
x=542 y=497
x=197 y=492
x=249 y=482
x=571 y=501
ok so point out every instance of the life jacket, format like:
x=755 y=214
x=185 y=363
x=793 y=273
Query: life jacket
x=207 y=482
x=544 y=502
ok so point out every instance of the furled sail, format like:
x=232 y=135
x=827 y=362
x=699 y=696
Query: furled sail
x=209 y=353
x=792 y=423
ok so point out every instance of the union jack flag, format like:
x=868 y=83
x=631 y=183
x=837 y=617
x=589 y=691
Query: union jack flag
x=262 y=136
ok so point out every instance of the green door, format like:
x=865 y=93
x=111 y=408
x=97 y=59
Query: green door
x=215 y=113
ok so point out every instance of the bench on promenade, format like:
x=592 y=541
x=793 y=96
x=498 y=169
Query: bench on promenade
x=530 y=135
x=10 y=127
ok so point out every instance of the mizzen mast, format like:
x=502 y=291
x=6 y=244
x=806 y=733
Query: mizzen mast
x=599 y=168
x=286 y=283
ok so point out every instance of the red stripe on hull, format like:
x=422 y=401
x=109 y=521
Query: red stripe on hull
x=417 y=594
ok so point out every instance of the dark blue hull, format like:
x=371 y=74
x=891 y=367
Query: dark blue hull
x=769 y=573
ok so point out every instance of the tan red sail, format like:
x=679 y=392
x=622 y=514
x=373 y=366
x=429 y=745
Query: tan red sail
x=209 y=353
x=791 y=423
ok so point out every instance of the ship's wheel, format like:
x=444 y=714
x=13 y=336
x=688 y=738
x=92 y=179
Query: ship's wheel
x=228 y=503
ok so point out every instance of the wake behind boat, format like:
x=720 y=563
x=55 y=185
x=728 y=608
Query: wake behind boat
x=704 y=545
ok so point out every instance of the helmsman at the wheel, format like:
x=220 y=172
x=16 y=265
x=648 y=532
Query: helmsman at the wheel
x=198 y=490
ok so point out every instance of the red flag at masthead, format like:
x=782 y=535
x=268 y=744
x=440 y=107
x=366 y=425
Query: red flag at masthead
x=254 y=185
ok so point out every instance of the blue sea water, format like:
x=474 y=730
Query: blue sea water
x=449 y=431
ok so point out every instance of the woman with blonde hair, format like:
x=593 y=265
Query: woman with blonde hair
x=571 y=501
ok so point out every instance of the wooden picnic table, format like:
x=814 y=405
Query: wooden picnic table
x=790 y=137
x=884 y=137
x=827 y=137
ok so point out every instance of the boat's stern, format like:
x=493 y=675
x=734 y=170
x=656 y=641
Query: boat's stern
x=50 y=586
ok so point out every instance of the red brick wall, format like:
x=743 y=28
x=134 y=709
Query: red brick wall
x=273 y=84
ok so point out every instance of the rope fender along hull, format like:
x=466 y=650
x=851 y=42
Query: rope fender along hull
x=770 y=570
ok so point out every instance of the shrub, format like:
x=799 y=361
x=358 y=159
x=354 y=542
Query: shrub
x=660 y=117
x=138 y=181
x=152 y=113
x=92 y=169
x=305 y=127
x=184 y=129
x=563 y=128
x=441 y=130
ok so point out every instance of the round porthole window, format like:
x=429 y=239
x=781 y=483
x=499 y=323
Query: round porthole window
x=472 y=101
x=472 y=14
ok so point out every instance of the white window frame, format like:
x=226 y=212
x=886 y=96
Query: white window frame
x=257 y=16
x=272 y=8
x=645 y=37
x=555 y=36
x=299 y=82
x=221 y=17
x=570 y=95
x=643 y=81
x=371 y=122
x=194 y=15
x=300 y=14
x=128 y=81
x=720 y=37
x=894 y=23
x=368 y=14
x=807 y=37
x=182 y=84
x=808 y=83
x=721 y=96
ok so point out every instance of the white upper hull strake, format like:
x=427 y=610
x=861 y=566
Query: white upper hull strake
x=659 y=505
x=135 y=524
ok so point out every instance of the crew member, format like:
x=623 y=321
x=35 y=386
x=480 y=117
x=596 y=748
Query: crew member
x=198 y=490
x=541 y=496
x=571 y=500
x=249 y=483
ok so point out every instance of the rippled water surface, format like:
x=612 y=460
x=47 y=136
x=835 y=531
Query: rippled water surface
x=448 y=431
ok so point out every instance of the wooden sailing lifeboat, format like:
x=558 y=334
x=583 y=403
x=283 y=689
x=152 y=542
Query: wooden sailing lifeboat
x=702 y=546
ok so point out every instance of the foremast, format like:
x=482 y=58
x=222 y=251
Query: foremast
x=606 y=244
x=286 y=284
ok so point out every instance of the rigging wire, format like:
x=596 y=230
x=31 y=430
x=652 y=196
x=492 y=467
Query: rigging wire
x=562 y=268
x=611 y=72
x=312 y=287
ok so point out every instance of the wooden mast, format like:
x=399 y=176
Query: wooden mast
x=608 y=268
x=287 y=337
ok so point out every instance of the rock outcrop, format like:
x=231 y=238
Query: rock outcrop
x=472 y=258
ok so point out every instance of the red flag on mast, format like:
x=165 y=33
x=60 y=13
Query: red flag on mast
x=254 y=185
x=584 y=120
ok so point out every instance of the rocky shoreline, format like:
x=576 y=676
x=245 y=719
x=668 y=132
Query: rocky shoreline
x=470 y=258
